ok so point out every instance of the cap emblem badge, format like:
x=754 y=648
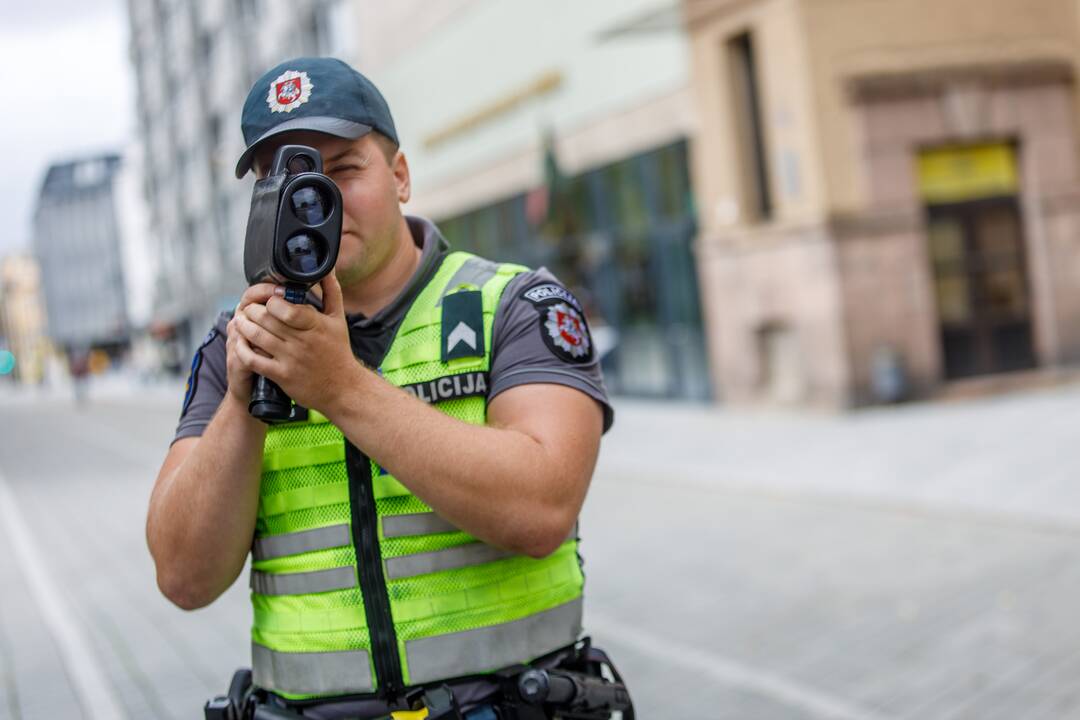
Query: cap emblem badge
x=289 y=91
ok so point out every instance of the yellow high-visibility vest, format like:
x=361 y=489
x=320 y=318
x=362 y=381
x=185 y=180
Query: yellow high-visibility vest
x=357 y=586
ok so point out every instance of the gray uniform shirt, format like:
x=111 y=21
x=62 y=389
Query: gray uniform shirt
x=539 y=336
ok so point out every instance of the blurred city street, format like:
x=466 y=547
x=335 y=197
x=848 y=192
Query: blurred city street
x=825 y=257
x=914 y=562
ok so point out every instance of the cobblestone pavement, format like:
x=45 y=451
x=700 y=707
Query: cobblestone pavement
x=915 y=562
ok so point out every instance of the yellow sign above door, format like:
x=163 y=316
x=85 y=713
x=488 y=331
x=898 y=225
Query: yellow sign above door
x=968 y=172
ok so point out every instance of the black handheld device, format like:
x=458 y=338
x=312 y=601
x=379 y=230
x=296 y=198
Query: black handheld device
x=293 y=236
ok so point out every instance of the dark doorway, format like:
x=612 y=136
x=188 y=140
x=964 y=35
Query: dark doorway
x=980 y=273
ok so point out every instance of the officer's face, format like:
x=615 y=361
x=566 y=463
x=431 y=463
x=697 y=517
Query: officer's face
x=372 y=188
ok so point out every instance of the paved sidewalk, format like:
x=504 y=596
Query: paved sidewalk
x=1012 y=457
x=120 y=387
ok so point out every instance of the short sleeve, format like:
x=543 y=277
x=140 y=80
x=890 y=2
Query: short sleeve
x=207 y=383
x=541 y=335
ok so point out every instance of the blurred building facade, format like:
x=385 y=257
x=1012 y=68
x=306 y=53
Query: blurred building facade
x=194 y=62
x=76 y=240
x=888 y=189
x=22 y=317
x=556 y=133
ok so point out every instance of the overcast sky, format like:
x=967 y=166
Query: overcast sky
x=67 y=93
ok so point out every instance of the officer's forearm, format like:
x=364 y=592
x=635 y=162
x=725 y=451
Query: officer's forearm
x=202 y=513
x=498 y=484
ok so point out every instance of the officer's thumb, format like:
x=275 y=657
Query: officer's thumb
x=333 y=304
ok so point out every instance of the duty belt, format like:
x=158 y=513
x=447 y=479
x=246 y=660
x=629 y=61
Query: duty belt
x=569 y=681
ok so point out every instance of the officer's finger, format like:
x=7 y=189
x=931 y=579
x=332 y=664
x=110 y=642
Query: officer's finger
x=257 y=293
x=333 y=303
x=259 y=315
x=233 y=337
x=258 y=336
x=231 y=333
x=252 y=360
x=297 y=317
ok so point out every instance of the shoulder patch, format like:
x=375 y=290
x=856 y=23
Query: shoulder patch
x=562 y=322
x=193 y=373
x=547 y=292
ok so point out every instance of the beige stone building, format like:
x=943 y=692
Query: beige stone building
x=884 y=184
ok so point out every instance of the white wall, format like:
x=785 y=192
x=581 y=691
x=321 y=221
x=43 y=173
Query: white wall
x=483 y=51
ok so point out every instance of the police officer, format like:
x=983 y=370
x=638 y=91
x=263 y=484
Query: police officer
x=419 y=525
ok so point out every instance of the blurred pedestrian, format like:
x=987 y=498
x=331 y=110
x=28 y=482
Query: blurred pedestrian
x=79 y=369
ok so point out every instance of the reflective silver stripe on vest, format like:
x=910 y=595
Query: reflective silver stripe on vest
x=476 y=553
x=474 y=271
x=318 y=581
x=317 y=673
x=493 y=647
x=425 y=523
x=323 y=538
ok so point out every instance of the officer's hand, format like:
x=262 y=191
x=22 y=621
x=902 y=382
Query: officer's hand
x=307 y=351
x=238 y=373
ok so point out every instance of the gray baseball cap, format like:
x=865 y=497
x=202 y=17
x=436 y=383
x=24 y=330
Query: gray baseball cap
x=319 y=94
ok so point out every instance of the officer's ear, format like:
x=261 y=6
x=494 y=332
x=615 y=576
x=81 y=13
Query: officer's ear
x=400 y=167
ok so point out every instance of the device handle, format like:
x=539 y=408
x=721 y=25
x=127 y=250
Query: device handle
x=269 y=402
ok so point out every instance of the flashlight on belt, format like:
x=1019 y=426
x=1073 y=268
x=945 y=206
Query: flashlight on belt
x=293 y=236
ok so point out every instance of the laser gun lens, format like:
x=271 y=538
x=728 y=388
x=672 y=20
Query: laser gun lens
x=300 y=164
x=309 y=205
x=304 y=254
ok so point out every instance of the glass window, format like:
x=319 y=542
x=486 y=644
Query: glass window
x=487 y=231
x=675 y=198
x=946 y=237
x=1006 y=293
x=628 y=196
x=622 y=245
x=638 y=290
x=451 y=230
x=954 y=301
x=997 y=234
x=580 y=204
x=491 y=231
